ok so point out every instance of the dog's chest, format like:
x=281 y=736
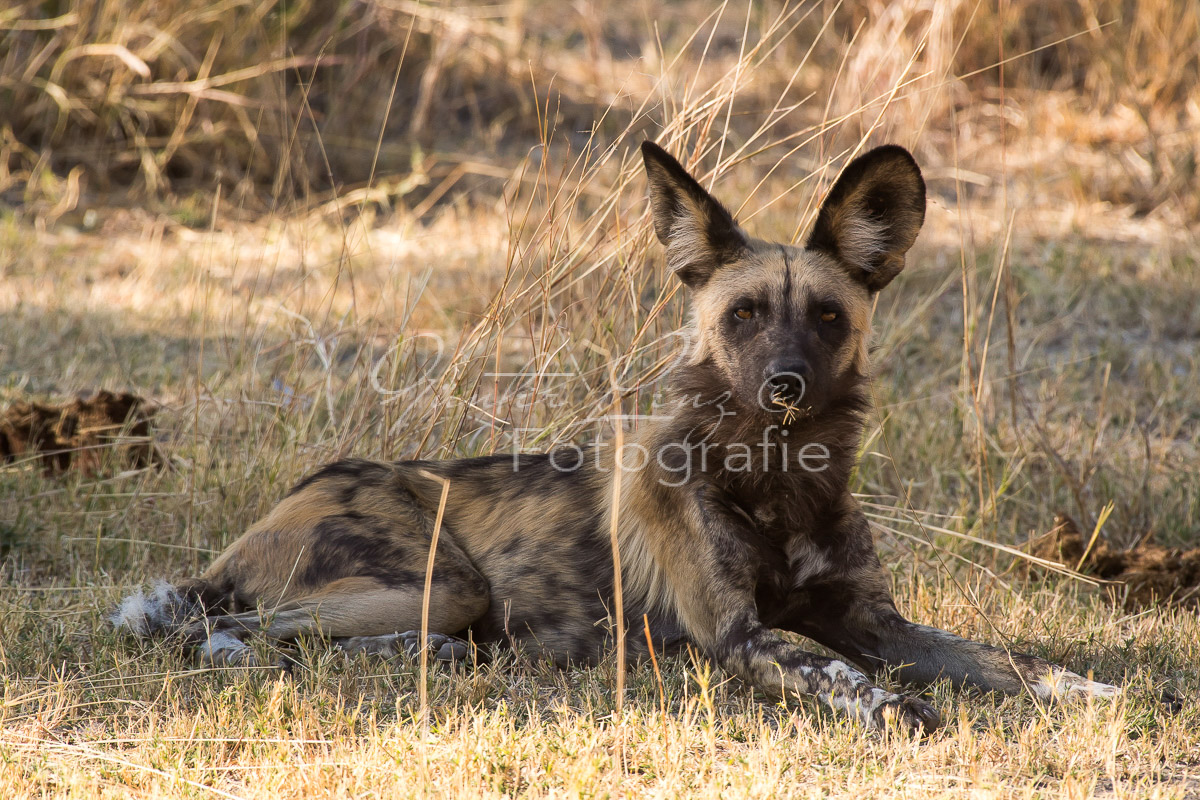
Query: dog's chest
x=789 y=556
x=807 y=560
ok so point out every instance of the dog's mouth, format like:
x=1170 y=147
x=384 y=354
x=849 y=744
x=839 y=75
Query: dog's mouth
x=791 y=406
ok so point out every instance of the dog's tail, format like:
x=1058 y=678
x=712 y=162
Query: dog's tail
x=163 y=610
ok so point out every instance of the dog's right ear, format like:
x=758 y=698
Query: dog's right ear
x=699 y=232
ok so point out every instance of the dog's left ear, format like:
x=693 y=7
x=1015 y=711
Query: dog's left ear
x=699 y=232
x=872 y=215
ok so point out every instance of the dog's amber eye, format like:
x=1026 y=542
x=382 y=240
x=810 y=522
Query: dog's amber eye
x=829 y=316
x=743 y=313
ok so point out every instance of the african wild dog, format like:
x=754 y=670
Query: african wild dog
x=739 y=523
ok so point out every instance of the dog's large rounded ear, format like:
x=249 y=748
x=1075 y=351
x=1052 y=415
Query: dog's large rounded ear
x=700 y=234
x=872 y=215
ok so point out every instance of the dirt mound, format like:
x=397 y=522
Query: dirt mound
x=1145 y=575
x=79 y=434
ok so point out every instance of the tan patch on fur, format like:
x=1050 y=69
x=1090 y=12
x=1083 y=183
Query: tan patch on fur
x=641 y=563
x=263 y=562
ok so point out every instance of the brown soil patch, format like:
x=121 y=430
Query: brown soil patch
x=1146 y=575
x=80 y=434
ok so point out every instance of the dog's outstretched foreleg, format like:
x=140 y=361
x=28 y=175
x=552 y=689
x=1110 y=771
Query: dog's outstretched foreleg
x=852 y=611
x=713 y=581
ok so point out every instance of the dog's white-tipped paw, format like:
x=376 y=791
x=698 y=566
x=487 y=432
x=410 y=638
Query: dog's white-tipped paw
x=1094 y=689
x=1066 y=685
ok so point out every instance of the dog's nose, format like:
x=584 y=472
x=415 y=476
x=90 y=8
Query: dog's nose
x=788 y=377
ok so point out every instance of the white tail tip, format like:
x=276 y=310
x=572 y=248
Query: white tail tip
x=162 y=610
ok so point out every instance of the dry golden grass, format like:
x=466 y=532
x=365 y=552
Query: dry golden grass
x=295 y=279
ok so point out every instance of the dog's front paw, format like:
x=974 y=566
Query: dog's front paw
x=1093 y=689
x=1066 y=685
x=899 y=712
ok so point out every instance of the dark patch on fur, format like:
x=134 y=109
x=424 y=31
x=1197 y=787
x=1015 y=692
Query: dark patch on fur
x=351 y=469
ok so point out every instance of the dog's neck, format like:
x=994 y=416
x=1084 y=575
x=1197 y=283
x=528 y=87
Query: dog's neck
x=757 y=455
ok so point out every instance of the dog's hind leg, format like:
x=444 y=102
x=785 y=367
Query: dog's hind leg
x=344 y=609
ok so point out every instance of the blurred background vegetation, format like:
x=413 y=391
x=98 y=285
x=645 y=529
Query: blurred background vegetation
x=282 y=104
